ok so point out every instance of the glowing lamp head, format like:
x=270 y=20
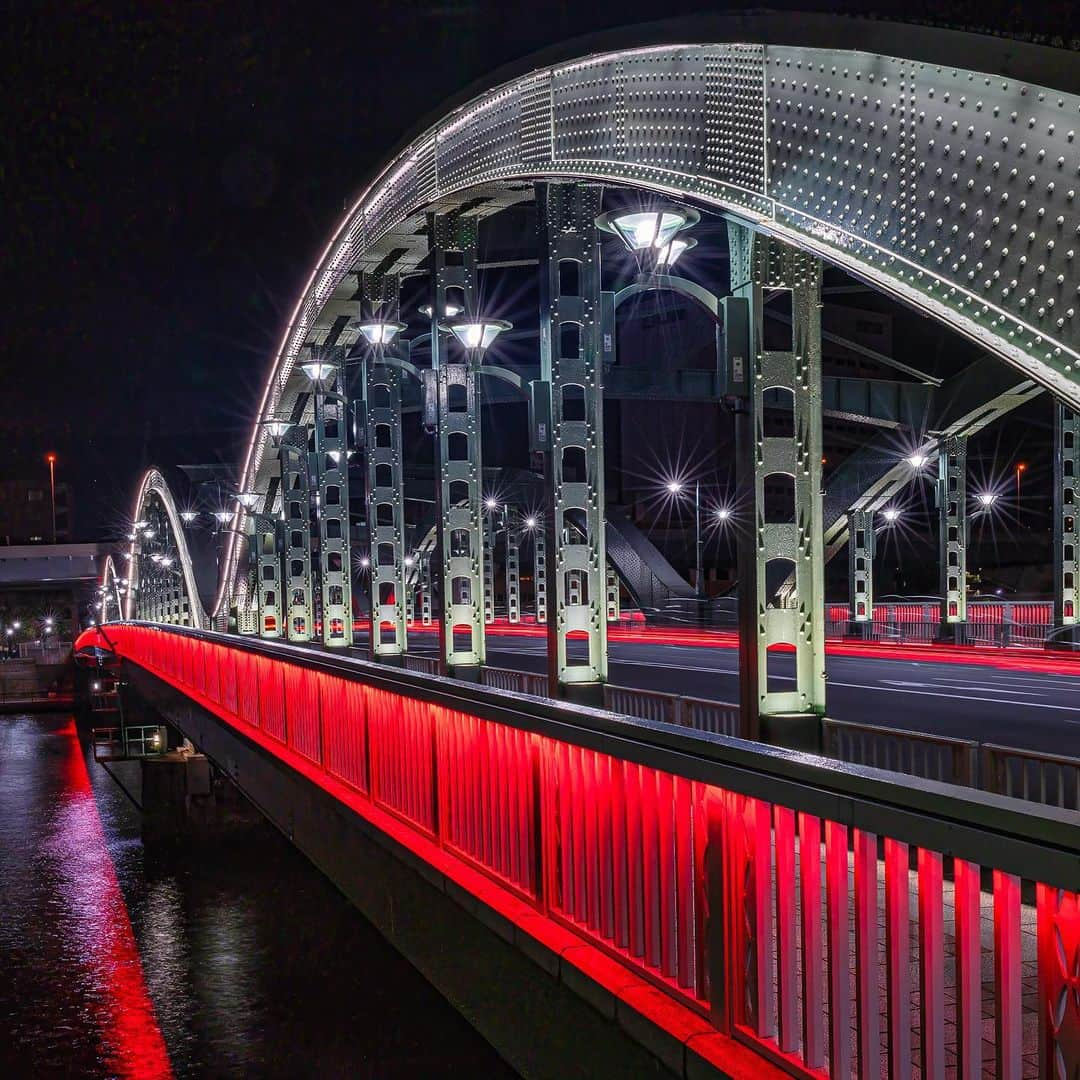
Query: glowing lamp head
x=917 y=461
x=380 y=333
x=891 y=515
x=149 y=534
x=986 y=499
x=530 y=522
x=723 y=514
x=188 y=516
x=672 y=251
x=365 y=562
x=140 y=524
x=641 y=230
x=409 y=560
x=674 y=487
x=248 y=499
x=450 y=311
x=319 y=371
x=491 y=503
x=276 y=428
x=50 y=458
x=223 y=516
x=476 y=333
x=166 y=560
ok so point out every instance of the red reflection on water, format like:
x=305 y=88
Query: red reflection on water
x=101 y=936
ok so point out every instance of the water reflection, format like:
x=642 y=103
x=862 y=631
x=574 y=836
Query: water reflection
x=251 y=962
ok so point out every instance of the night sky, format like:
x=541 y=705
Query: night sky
x=170 y=171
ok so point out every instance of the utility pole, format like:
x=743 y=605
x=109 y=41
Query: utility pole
x=51 y=459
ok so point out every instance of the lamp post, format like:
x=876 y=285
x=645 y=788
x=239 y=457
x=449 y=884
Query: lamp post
x=1021 y=468
x=51 y=459
x=677 y=487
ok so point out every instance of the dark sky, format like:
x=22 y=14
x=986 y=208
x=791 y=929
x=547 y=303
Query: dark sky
x=170 y=171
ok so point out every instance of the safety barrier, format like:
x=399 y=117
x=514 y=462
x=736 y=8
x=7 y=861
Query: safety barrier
x=428 y=665
x=932 y=757
x=518 y=682
x=1046 y=778
x=717 y=717
x=788 y=904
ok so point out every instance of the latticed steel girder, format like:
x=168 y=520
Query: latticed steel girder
x=1067 y=516
x=298 y=592
x=157 y=590
x=861 y=564
x=456 y=401
x=952 y=512
x=384 y=471
x=952 y=188
x=787 y=510
x=267 y=540
x=332 y=508
x=571 y=368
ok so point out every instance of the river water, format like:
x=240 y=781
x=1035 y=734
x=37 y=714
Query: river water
x=222 y=956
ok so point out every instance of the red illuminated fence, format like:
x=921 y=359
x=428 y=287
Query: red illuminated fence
x=1022 y=623
x=834 y=919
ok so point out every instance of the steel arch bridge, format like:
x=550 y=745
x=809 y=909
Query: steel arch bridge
x=941 y=169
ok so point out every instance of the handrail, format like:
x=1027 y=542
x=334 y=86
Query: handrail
x=1026 y=839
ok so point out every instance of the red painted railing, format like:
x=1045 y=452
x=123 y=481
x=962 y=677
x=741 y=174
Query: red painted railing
x=795 y=907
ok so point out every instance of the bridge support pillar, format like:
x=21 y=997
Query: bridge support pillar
x=457 y=452
x=384 y=473
x=332 y=469
x=861 y=551
x=513 y=573
x=786 y=530
x=1066 y=519
x=268 y=573
x=539 y=542
x=298 y=598
x=952 y=515
x=571 y=371
x=489 y=567
x=614 y=607
x=425 y=589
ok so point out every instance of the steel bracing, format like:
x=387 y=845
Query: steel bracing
x=787 y=513
x=952 y=514
x=383 y=469
x=458 y=453
x=571 y=371
x=1066 y=522
x=298 y=598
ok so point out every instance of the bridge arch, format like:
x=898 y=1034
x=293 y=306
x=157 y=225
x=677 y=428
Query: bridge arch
x=934 y=169
x=155 y=504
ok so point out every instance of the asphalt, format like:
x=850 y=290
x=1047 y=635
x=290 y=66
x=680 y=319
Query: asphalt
x=1012 y=707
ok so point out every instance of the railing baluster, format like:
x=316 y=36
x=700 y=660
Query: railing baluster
x=931 y=967
x=786 y=957
x=898 y=958
x=620 y=834
x=635 y=857
x=813 y=960
x=968 y=970
x=1008 y=1026
x=839 y=948
x=665 y=820
x=684 y=881
x=867 y=1010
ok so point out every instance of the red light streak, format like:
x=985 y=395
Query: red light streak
x=101 y=934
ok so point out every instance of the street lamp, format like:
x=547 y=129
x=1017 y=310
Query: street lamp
x=223 y=517
x=51 y=459
x=891 y=515
x=531 y=522
x=672 y=251
x=450 y=311
x=188 y=516
x=475 y=334
x=917 y=460
x=1021 y=468
x=248 y=499
x=379 y=332
x=318 y=371
x=986 y=499
x=723 y=513
x=642 y=230
x=675 y=488
x=276 y=428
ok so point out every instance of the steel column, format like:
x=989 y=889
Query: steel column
x=789 y=533
x=489 y=567
x=571 y=363
x=296 y=510
x=614 y=607
x=384 y=470
x=458 y=452
x=539 y=542
x=1066 y=522
x=513 y=573
x=268 y=573
x=425 y=588
x=952 y=511
x=861 y=564
x=332 y=469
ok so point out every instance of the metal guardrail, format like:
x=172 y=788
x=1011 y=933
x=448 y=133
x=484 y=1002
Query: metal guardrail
x=517 y=682
x=1050 y=779
x=932 y=757
x=789 y=902
x=428 y=665
x=125 y=743
x=700 y=714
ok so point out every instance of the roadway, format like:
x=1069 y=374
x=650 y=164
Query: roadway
x=1008 y=705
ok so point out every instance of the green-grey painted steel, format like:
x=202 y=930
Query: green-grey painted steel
x=298 y=602
x=1066 y=516
x=268 y=573
x=332 y=469
x=461 y=539
x=861 y=565
x=571 y=357
x=759 y=265
x=952 y=515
